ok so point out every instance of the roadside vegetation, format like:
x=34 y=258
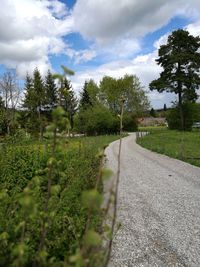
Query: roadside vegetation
x=43 y=227
x=176 y=144
x=51 y=179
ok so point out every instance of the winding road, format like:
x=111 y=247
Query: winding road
x=158 y=208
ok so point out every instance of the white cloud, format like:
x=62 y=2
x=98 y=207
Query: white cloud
x=106 y=21
x=80 y=56
x=30 y=30
x=161 y=41
x=194 y=28
x=143 y=66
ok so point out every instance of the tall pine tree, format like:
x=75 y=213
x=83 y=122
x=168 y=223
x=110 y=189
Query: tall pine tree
x=85 y=101
x=68 y=100
x=180 y=59
x=28 y=102
x=51 y=92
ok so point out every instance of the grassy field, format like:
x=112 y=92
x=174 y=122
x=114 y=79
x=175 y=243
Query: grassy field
x=176 y=144
x=25 y=170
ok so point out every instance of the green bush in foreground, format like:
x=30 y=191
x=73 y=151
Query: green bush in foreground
x=44 y=216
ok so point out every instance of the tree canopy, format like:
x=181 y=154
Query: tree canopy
x=180 y=59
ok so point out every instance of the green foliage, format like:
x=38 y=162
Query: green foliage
x=191 y=113
x=128 y=87
x=35 y=99
x=130 y=122
x=51 y=94
x=100 y=106
x=68 y=100
x=181 y=62
x=180 y=59
x=96 y=120
x=85 y=101
x=47 y=190
x=3 y=124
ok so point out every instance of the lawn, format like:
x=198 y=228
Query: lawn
x=176 y=144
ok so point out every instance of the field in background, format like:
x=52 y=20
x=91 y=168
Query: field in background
x=176 y=144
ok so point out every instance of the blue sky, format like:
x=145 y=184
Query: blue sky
x=92 y=37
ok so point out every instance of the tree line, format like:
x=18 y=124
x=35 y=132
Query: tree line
x=95 y=112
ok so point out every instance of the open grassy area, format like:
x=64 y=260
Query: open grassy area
x=176 y=144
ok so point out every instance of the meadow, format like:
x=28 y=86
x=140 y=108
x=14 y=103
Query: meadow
x=176 y=144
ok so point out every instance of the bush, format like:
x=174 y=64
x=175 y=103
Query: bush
x=24 y=175
x=96 y=120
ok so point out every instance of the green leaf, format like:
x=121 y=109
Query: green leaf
x=92 y=238
x=77 y=259
x=55 y=189
x=92 y=199
x=67 y=70
x=106 y=174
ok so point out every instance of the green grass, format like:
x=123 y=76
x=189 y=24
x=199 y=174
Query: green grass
x=176 y=144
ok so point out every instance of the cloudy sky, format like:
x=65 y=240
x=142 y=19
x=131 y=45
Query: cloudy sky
x=92 y=37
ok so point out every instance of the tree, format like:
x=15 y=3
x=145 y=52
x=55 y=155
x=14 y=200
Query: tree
x=165 y=107
x=28 y=102
x=51 y=92
x=39 y=97
x=96 y=120
x=180 y=60
x=128 y=87
x=85 y=100
x=35 y=100
x=66 y=95
x=61 y=77
x=68 y=100
x=10 y=92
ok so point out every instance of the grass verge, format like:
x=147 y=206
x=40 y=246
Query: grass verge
x=181 y=145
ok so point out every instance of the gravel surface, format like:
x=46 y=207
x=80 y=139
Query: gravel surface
x=158 y=207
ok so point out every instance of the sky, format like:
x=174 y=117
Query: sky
x=93 y=37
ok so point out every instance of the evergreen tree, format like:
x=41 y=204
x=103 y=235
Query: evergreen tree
x=85 y=100
x=180 y=59
x=51 y=93
x=39 y=90
x=68 y=100
x=165 y=107
x=39 y=98
x=28 y=102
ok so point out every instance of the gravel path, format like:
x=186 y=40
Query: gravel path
x=158 y=207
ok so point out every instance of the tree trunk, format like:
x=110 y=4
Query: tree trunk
x=180 y=104
x=40 y=122
x=181 y=110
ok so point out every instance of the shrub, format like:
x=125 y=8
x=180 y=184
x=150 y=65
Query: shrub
x=96 y=120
